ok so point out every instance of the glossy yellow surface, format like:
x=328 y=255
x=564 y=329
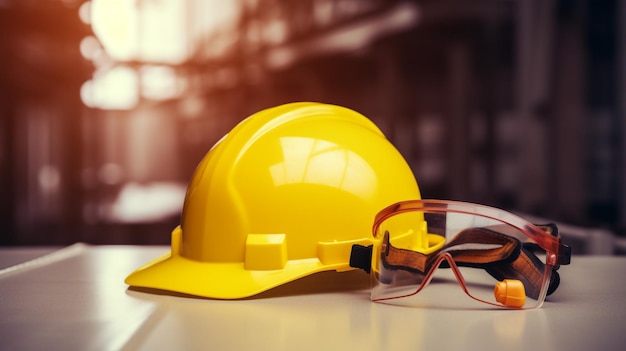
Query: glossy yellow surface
x=285 y=194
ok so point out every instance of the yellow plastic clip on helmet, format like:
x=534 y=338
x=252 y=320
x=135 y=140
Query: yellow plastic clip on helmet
x=286 y=193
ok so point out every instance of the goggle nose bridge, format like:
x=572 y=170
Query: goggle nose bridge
x=430 y=273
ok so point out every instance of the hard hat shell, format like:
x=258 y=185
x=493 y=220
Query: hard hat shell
x=286 y=193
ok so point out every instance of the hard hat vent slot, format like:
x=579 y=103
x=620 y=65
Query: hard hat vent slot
x=266 y=251
x=338 y=252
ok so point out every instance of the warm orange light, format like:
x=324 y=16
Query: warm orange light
x=115 y=23
x=149 y=31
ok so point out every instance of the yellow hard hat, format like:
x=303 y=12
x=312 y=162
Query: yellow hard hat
x=286 y=193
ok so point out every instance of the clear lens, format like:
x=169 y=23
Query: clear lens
x=424 y=248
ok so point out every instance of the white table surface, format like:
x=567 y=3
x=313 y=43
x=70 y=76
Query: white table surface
x=75 y=299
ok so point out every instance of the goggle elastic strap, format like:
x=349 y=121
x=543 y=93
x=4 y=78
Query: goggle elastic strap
x=361 y=257
x=507 y=258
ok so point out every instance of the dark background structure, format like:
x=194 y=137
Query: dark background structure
x=516 y=104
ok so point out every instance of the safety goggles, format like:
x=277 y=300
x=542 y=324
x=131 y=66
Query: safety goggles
x=497 y=258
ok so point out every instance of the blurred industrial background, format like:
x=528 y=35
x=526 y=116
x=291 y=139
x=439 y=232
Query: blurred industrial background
x=107 y=106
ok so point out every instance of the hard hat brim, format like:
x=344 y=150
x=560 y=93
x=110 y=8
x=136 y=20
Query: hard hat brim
x=218 y=280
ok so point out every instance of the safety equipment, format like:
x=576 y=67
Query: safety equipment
x=498 y=258
x=286 y=193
